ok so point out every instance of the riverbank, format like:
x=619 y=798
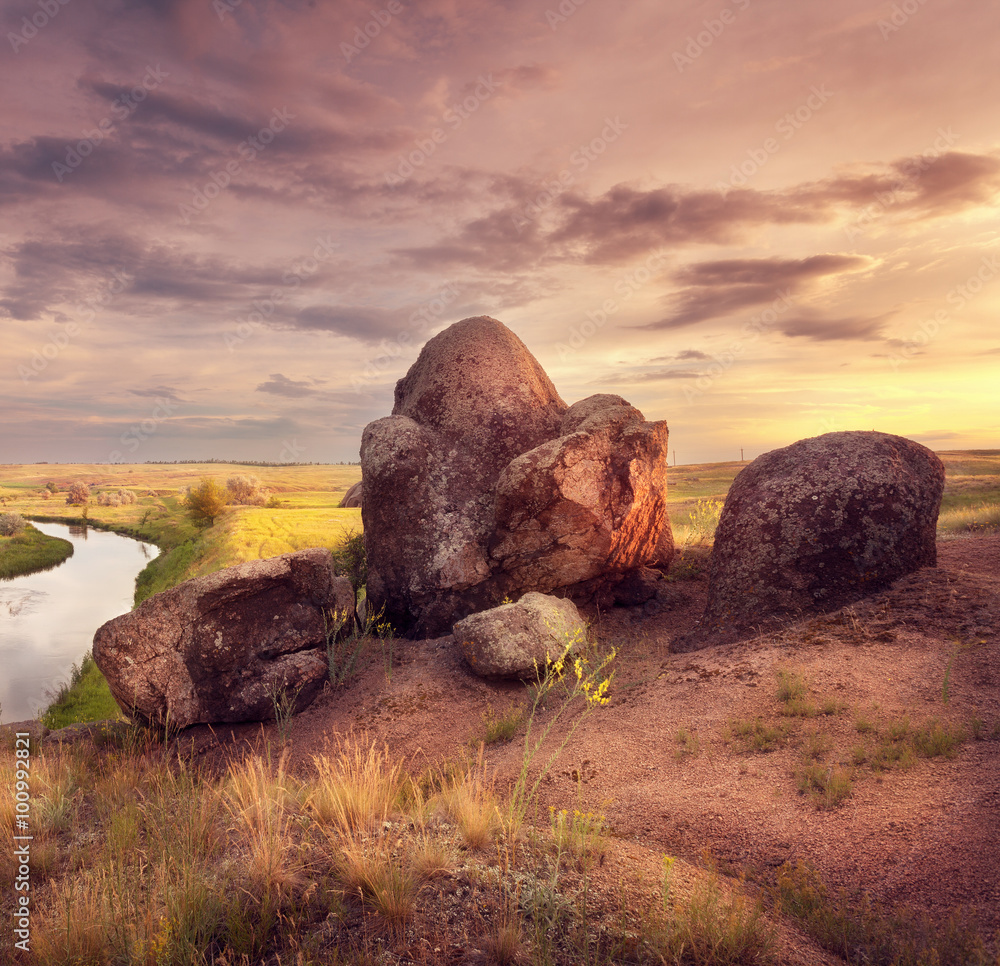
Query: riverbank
x=30 y=552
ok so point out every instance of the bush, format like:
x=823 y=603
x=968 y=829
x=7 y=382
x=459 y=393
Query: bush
x=247 y=491
x=78 y=492
x=121 y=498
x=206 y=501
x=11 y=524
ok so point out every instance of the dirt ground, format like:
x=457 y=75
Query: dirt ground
x=928 y=648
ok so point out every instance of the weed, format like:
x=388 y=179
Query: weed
x=756 y=735
x=688 y=744
x=471 y=802
x=283 y=702
x=827 y=785
x=709 y=927
x=503 y=725
x=357 y=790
x=580 y=835
x=862 y=931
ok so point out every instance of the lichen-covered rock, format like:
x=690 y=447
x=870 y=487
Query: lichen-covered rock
x=516 y=640
x=219 y=648
x=483 y=483
x=820 y=523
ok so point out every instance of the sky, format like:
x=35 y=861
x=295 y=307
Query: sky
x=228 y=226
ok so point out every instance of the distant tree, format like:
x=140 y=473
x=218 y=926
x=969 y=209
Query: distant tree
x=206 y=501
x=78 y=492
x=11 y=524
x=51 y=487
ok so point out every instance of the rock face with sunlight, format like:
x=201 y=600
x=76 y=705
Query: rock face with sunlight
x=483 y=483
x=821 y=523
x=516 y=640
x=223 y=647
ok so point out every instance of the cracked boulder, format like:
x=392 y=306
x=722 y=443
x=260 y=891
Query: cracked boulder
x=222 y=647
x=821 y=523
x=483 y=483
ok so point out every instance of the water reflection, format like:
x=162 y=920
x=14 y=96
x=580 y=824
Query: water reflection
x=48 y=620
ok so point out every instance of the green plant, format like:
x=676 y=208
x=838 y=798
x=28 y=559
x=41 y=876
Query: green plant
x=342 y=650
x=827 y=785
x=862 y=931
x=502 y=725
x=757 y=735
x=349 y=559
x=575 y=674
x=283 y=702
x=580 y=835
x=688 y=744
x=710 y=927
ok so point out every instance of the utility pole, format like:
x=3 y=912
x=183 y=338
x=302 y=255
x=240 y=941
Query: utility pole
x=741 y=454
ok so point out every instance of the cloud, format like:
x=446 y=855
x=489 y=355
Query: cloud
x=627 y=220
x=718 y=289
x=281 y=385
x=846 y=328
x=365 y=323
x=157 y=392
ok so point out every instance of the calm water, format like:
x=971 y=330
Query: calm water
x=48 y=620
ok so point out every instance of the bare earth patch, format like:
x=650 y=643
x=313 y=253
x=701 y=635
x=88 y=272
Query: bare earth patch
x=665 y=763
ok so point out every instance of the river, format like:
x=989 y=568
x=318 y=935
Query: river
x=48 y=619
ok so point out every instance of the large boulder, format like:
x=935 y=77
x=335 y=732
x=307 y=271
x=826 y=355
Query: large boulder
x=219 y=648
x=586 y=503
x=354 y=496
x=517 y=640
x=483 y=483
x=821 y=523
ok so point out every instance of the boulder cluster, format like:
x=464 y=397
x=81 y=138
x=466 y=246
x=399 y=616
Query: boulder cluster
x=483 y=483
x=488 y=502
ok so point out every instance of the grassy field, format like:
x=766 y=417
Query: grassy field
x=307 y=516
x=30 y=552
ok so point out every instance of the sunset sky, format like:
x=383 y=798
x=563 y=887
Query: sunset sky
x=227 y=227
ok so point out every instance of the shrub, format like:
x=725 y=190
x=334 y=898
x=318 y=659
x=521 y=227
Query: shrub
x=11 y=524
x=247 y=491
x=78 y=492
x=121 y=498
